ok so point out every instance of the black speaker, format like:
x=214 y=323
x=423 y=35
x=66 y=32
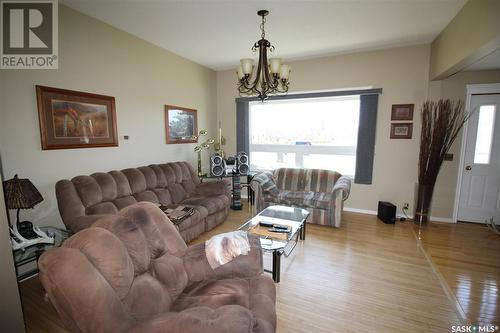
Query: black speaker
x=242 y=162
x=217 y=165
x=386 y=212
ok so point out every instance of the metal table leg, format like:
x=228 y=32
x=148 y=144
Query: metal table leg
x=303 y=231
x=276 y=266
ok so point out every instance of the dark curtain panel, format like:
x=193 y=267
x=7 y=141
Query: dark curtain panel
x=242 y=127
x=365 y=150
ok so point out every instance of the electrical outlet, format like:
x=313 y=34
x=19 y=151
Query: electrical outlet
x=406 y=205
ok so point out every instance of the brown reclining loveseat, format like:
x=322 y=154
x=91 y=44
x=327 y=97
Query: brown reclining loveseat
x=84 y=199
x=132 y=272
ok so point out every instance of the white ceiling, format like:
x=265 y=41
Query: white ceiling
x=218 y=33
x=490 y=62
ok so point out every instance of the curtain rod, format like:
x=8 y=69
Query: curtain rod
x=376 y=91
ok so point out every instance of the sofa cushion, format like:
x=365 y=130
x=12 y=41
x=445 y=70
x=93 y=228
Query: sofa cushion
x=257 y=294
x=146 y=196
x=290 y=179
x=190 y=221
x=124 y=201
x=177 y=192
x=161 y=180
x=107 y=184
x=122 y=184
x=149 y=176
x=316 y=180
x=212 y=203
x=211 y=188
x=136 y=180
x=88 y=190
x=321 y=200
x=266 y=181
x=101 y=208
x=164 y=196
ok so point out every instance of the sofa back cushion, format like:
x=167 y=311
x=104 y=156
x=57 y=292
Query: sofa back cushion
x=315 y=180
x=107 y=193
x=126 y=268
x=146 y=270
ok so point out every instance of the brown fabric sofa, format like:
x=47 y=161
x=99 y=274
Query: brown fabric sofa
x=84 y=199
x=132 y=272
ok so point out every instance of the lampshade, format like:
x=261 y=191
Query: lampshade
x=21 y=193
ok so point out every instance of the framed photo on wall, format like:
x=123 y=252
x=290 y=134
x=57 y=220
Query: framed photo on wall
x=181 y=124
x=74 y=119
x=401 y=130
x=402 y=112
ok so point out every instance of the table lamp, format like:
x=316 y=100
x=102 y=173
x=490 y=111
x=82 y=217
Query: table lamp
x=21 y=194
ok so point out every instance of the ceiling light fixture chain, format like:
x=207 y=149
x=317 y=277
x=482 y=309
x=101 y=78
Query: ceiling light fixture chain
x=270 y=77
x=263 y=34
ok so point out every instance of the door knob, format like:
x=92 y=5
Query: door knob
x=468 y=168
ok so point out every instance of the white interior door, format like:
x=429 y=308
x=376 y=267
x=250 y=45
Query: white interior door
x=480 y=188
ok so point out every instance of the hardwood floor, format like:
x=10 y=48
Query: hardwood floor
x=467 y=256
x=366 y=277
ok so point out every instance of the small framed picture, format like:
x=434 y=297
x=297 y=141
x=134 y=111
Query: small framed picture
x=402 y=112
x=401 y=130
x=75 y=119
x=181 y=124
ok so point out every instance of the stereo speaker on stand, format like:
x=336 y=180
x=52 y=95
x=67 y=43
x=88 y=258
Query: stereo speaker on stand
x=217 y=165
x=242 y=162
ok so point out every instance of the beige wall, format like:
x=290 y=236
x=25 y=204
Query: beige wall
x=11 y=314
x=454 y=87
x=403 y=75
x=98 y=58
x=473 y=33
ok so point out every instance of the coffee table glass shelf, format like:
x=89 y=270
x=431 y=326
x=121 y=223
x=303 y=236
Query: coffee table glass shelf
x=278 y=243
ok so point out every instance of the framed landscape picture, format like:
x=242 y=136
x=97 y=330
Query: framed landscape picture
x=74 y=119
x=181 y=124
x=401 y=130
x=402 y=112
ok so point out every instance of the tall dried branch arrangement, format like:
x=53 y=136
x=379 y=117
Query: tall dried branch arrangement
x=441 y=123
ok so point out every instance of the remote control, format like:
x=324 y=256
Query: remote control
x=279 y=226
x=283 y=231
x=266 y=224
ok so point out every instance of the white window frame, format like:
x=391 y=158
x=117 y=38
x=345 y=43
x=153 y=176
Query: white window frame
x=301 y=150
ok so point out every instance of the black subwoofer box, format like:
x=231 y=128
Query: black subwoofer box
x=386 y=212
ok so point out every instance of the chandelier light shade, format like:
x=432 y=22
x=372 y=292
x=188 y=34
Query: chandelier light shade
x=270 y=77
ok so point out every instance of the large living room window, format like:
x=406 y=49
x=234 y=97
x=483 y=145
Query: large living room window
x=320 y=133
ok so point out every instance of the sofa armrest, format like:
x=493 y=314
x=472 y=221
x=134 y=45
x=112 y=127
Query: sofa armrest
x=266 y=182
x=224 y=319
x=343 y=184
x=212 y=188
x=198 y=268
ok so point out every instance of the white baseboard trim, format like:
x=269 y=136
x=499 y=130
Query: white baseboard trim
x=442 y=219
x=362 y=211
x=373 y=212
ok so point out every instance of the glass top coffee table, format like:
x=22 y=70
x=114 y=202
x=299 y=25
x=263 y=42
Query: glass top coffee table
x=278 y=243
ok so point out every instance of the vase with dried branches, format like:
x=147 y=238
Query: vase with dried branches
x=441 y=124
